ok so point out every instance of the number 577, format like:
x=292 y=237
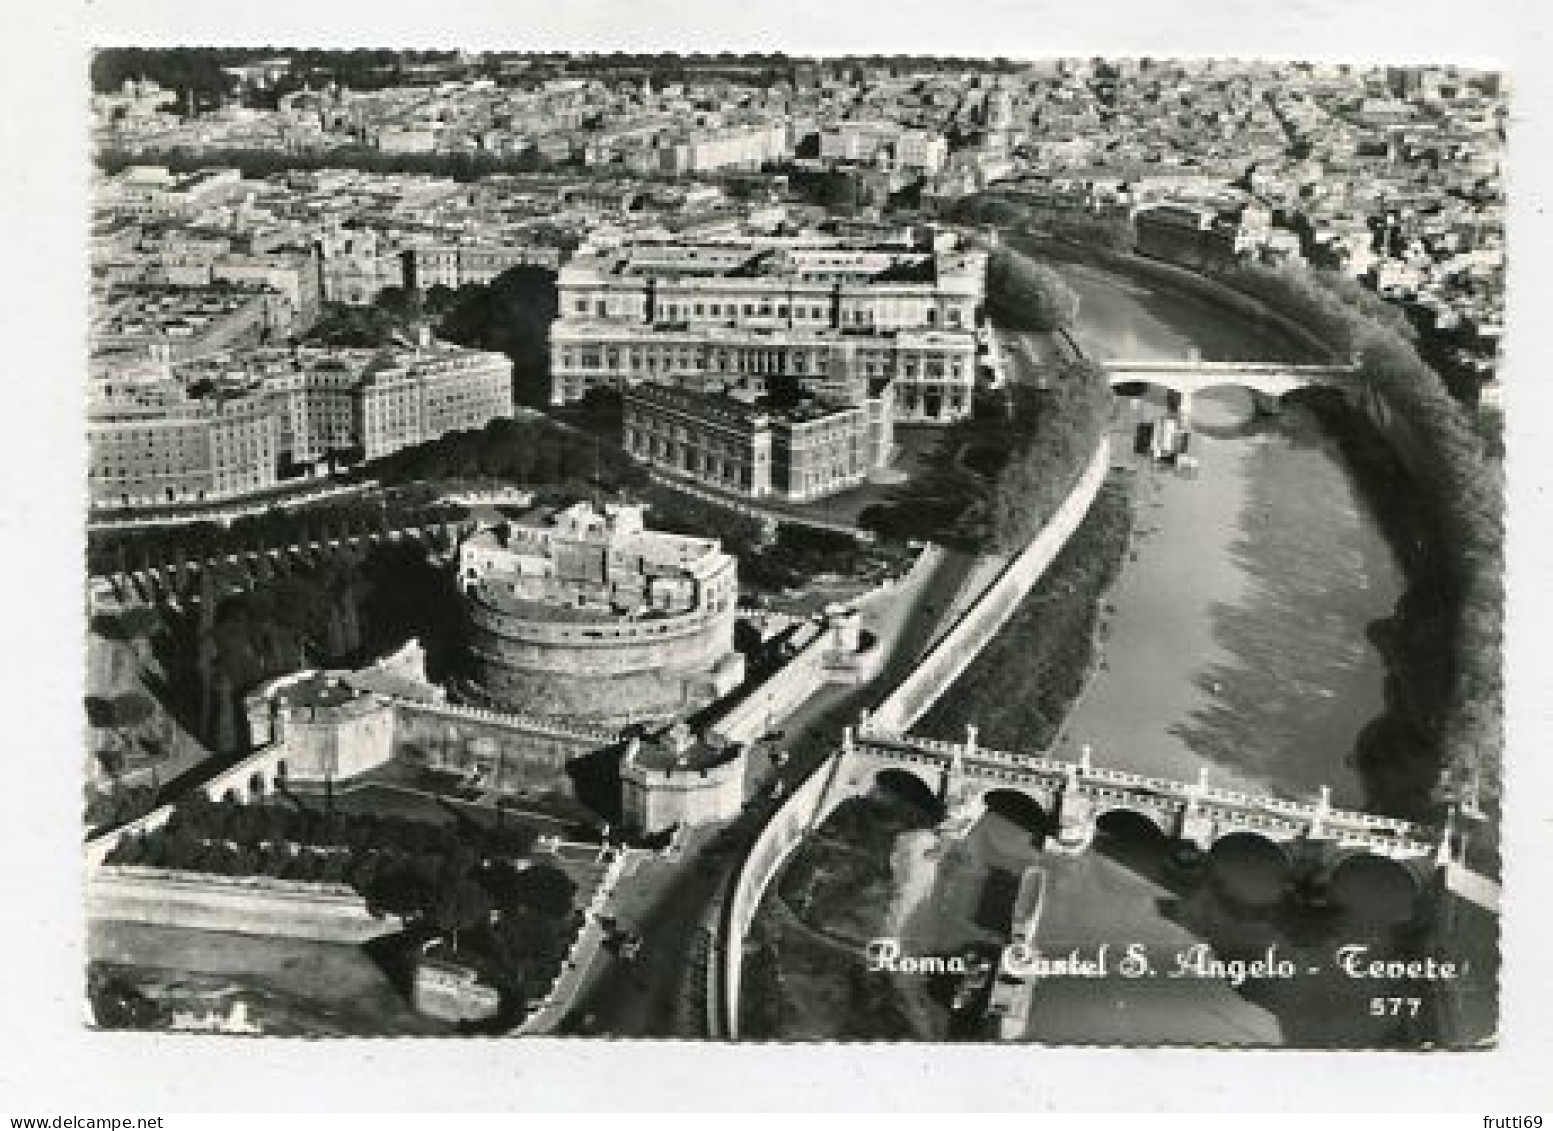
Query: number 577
x=1394 y=1006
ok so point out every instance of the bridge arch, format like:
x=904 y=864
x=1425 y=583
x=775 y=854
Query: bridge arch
x=1026 y=808
x=1377 y=888
x=1186 y=380
x=1250 y=867
x=910 y=784
x=1128 y=822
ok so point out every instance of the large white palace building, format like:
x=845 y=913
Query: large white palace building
x=833 y=318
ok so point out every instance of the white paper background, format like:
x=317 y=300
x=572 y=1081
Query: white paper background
x=50 y=1063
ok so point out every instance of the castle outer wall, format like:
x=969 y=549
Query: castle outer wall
x=604 y=671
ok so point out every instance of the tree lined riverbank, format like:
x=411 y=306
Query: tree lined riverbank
x=1249 y=636
x=1417 y=461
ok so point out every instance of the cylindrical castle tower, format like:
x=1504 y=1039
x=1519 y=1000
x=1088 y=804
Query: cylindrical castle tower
x=597 y=618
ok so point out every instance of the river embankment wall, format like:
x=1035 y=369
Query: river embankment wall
x=949 y=658
x=813 y=800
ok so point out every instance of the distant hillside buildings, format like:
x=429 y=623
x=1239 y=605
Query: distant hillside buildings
x=886 y=144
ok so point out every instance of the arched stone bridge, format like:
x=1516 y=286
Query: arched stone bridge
x=1073 y=796
x=1269 y=378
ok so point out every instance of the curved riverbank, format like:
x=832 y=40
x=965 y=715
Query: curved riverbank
x=1249 y=638
x=1300 y=343
x=1401 y=753
x=1447 y=639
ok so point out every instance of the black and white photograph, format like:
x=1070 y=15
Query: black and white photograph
x=784 y=547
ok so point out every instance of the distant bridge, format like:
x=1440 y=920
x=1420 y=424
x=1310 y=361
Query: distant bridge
x=1193 y=375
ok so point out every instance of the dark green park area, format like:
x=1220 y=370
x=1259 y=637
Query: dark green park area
x=497 y=905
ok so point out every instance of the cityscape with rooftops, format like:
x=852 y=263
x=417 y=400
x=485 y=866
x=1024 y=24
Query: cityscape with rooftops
x=756 y=547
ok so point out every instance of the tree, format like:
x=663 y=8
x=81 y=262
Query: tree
x=542 y=888
x=132 y=708
x=226 y=736
x=118 y=714
x=513 y=315
x=530 y=948
x=1025 y=295
x=462 y=905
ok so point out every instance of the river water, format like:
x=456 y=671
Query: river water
x=1237 y=643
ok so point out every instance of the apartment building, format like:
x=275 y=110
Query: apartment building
x=186 y=322
x=153 y=192
x=886 y=144
x=221 y=427
x=315 y=406
x=149 y=443
x=457 y=264
x=730 y=147
x=407 y=400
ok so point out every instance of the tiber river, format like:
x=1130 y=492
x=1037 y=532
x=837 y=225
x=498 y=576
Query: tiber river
x=1238 y=644
x=1239 y=641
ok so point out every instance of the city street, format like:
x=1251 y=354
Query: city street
x=662 y=991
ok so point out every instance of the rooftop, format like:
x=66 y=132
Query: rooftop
x=619 y=528
x=792 y=261
x=678 y=748
x=731 y=408
x=320 y=689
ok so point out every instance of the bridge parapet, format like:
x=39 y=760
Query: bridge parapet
x=1076 y=794
x=1209 y=808
x=1143 y=365
x=1273 y=379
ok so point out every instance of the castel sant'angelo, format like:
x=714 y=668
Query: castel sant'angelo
x=592 y=616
